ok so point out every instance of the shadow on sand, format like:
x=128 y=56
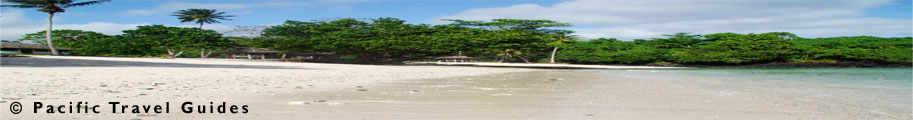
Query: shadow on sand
x=63 y=62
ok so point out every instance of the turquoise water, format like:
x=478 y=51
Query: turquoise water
x=883 y=92
x=863 y=77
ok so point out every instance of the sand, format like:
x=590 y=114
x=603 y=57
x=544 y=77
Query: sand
x=542 y=65
x=59 y=80
x=283 y=90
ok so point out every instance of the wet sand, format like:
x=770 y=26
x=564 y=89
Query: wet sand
x=577 y=94
x=331 y=91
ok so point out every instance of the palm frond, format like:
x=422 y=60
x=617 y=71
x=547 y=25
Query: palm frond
x=20 y=6
x=26 y=2
x=201 y=16
x=85 y=3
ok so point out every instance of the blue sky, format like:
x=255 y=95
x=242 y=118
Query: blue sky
x=624 y=19
x=271 y=12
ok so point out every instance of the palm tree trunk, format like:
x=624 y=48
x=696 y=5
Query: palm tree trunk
x=501 y=59
x=48 y=34
x=553 y=55
x=524 y=59
x=170 y=53
x=202 y=53
x=179 y=54
x=201 y=26
x=208 y=53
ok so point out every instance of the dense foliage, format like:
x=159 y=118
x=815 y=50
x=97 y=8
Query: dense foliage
x=860 y=48
x=733 y=48
x=150 y=40
x=391 y=40
x=65 y=38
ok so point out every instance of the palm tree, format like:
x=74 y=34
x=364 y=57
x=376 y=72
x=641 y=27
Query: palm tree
x=51 y=7
x=201 y=16
x=560 y=37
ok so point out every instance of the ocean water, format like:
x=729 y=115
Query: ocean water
x=649 y=94
x=879 y=93
x=888 y=78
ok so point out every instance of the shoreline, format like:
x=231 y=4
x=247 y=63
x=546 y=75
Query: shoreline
x=564 y=65
x=578 y=94
x=291 y=90
x=541 y=65
x=811 y=65
x=623 y=66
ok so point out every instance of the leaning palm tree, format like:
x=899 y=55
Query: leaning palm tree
x=201 y=16
x=560 y=37
x=51 y=7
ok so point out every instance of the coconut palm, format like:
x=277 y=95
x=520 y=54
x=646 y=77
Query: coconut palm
x=201 y=16
x=560 y=37
x=51 y=7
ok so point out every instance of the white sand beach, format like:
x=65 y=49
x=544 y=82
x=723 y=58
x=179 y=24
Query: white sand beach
x=285 y=90
x=51 y=79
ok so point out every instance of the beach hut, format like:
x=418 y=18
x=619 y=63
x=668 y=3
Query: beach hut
x=458 y=58
x=29 y=48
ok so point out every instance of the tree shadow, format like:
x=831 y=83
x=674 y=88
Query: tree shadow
x=63 y=62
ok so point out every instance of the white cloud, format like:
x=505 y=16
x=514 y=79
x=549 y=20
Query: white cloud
x=633 y=19
x=14 y=25
x=15 y=18
x=175 y=6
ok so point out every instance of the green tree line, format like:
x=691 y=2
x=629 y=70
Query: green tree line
x=733 y=48
x=145 y=41
x=391 y=40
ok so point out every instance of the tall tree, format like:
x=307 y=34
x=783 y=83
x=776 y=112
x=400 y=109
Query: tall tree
x=560 y=37
x=201 y=16
x=51 y=7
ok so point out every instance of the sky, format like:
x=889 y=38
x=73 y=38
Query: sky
x=622 y=19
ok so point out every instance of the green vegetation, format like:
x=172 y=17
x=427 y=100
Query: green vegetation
x=202 y=16
x=174 y=40
x=860 y=48
x=391 y=41
x=733 y=48
x=150 y=40
x=51 y=7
